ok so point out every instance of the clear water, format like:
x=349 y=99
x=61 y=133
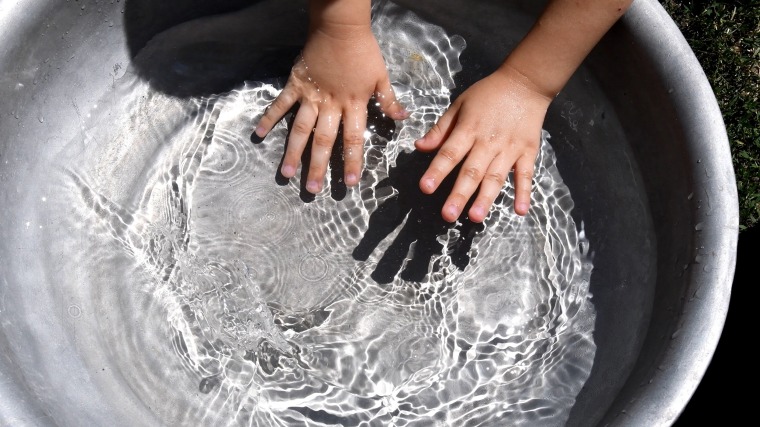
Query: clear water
x=203 y=289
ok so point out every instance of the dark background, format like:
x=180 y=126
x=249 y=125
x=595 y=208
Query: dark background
x=726 y=388
x=725 y=37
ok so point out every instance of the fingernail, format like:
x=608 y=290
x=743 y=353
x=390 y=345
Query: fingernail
x=429 y=183
x=478 y=211
x=260 y=131
x=404 y=113
x=452 y=210
x=312 y=187
x=351 y=179
x=288 y=171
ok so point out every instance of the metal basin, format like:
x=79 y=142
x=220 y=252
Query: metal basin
x=637 y=132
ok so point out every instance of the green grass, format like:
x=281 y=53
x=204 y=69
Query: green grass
x=725 y=36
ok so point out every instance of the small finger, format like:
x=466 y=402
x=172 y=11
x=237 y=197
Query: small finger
x=490 y=187
x=324 y=140
x=469 y=178
x=354 y=125
x=303 y=125
x=284 y=102
x=449 y=155
x=388 y=102
x=523 y=174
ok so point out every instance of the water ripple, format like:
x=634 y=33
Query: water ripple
x=215 y=295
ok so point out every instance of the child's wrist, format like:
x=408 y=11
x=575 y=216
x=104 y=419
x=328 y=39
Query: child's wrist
x=340 y=19
x=529 y=82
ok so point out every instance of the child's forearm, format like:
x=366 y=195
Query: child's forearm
x=339 y=18
x=560 y=40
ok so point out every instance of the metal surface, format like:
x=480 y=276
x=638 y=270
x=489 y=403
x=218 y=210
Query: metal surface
x=638 y=134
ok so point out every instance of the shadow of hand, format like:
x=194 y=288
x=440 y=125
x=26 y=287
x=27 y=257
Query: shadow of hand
x=417 y=241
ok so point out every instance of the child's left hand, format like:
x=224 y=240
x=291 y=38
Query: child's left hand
x=345 y=69
x=494 y=127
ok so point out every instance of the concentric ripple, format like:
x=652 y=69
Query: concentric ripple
x=203 y=289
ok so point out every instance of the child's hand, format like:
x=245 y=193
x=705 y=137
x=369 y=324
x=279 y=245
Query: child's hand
x=494 y=126
x=339 y=71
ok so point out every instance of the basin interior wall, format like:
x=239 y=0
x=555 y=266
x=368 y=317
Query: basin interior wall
x=637 y=132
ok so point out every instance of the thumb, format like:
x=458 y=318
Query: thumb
x=387 y=100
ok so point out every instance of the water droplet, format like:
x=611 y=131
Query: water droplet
x=699 y=226
x=74 y=311
x=41 y=119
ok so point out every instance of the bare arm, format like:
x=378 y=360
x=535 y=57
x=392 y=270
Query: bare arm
x=560 y=40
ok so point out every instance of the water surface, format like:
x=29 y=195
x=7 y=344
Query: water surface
x=201 y=288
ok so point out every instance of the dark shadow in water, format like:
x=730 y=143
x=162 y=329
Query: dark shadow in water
x=422 y=227
x=382 y=126
x=144 y=19
x=422 y=212
x=338 y=188
x=258 y=44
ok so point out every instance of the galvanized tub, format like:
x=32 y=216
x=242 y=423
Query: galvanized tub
x=639 y=140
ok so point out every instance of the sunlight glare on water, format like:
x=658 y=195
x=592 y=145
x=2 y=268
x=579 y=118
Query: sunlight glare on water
x=219 y=294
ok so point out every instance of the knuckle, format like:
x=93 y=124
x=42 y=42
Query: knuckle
x=281 y=102
x=301 y=128
x=353 y=140
x=473 y=173
x=292 y=157
x=437 y=172
x=469 y=127
x=388 y=100
x=458 y=198
x=266 y=121
x=323 y=140
x=523 y=191
x=494 y=177
x=316 y=171
x=356 y=109
x=524 y=174
x=448 y=154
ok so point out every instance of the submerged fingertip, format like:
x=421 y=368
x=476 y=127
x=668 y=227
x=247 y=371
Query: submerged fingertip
x=521 y=208
x=312 y=187
x=477 y=213
x=288 y=171
x=427 y=185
